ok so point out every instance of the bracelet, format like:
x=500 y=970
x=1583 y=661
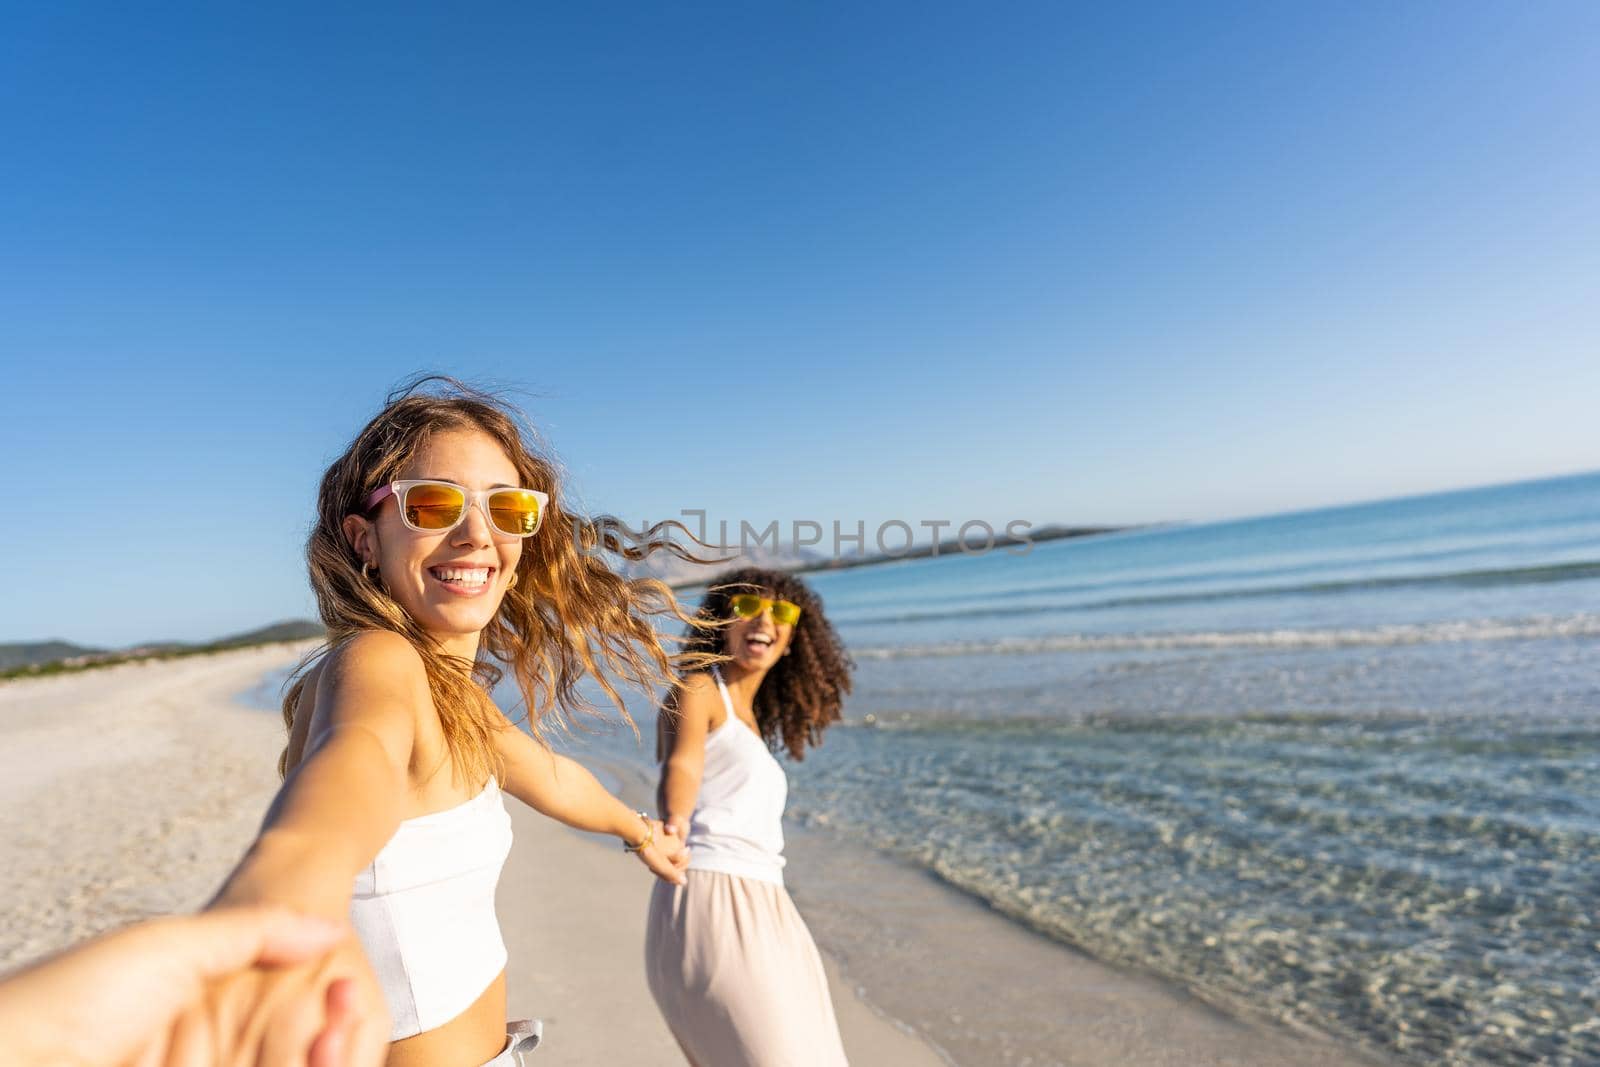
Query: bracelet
x=649 y=835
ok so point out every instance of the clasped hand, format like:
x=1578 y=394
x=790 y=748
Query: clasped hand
x=666 y=854
x=253 y=985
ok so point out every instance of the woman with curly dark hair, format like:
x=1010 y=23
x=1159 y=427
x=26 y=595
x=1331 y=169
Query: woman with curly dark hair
x=729 y=960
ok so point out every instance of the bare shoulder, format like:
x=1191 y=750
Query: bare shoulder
x=698 y=701
x=377 y=660
x=375 y=677
x=382 y=650
x=699 y=681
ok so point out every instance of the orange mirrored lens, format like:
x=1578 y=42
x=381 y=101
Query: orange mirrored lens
x=433 y=507
x=515 y=511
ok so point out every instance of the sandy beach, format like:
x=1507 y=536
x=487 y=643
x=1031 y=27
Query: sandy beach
x=131 y=791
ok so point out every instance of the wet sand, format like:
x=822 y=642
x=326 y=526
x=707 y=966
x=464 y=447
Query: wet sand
x=989 y=991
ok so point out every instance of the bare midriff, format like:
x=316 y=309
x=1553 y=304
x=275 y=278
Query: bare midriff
x=474 y=1037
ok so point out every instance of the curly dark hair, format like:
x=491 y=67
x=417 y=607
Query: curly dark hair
x=802 y=694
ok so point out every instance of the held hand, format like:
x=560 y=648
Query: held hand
x=140 y=994
x=269 y=1016
x=666 y=853
x=672 y=845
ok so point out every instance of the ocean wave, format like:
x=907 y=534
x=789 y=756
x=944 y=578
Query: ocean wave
x=1310 y=563
x=1536 y=627
x=1472 y=579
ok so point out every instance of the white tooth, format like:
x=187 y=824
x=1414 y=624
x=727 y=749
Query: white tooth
x=470 y=577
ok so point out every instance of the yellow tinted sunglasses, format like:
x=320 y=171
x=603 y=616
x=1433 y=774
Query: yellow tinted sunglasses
x=748 y=606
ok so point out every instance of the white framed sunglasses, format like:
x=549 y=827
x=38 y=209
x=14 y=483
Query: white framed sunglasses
x=432 y=507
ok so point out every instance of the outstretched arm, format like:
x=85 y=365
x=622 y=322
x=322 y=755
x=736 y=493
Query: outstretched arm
x=556 y=786
x=332 y=816
x=345 y=800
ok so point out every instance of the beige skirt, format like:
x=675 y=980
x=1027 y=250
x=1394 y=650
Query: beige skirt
x=737 y=977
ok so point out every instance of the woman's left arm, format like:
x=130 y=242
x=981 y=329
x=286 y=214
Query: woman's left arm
x=554 y=785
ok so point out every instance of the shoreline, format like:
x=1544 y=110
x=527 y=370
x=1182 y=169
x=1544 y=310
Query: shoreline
x=980 y=987
x=1025 y=998
x=921 y=973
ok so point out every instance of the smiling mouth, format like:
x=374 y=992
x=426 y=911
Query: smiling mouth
x=463 y=577
x=758 y=643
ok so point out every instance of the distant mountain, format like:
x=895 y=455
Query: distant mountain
x=24 y=653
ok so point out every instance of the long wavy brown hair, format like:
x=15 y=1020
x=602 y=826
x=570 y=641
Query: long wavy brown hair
x=568 y=615
x=802 y=694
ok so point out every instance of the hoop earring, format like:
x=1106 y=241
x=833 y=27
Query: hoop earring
x=365 y=576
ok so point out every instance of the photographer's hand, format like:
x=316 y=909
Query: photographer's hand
x=140 y=995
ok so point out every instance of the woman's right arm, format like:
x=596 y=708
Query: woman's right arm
x=331 y=817
x=347 y=796
x=685 y=751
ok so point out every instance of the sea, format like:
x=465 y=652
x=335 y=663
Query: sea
x=1335 y=773
x=1336 y=770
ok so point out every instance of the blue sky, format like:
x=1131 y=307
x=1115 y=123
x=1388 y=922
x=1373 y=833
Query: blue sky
x=1038 y=261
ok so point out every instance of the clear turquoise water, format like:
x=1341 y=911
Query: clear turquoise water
x=1340 y=767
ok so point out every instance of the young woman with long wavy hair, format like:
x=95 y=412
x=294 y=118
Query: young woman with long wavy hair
x=729 y=960
x=442 y=549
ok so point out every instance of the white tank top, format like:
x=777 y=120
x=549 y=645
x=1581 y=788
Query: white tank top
x=424 y=912
x=737 y=826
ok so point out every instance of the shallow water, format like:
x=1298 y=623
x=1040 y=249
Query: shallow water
x=1421 y=887
x=1340 y=768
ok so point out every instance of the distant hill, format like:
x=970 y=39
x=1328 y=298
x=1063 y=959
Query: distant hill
x=52 y=656
x=291 y=630
x=24 y=653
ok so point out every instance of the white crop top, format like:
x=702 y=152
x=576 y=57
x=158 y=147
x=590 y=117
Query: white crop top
x=424 y=912
x=737 y=825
